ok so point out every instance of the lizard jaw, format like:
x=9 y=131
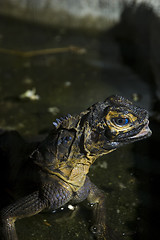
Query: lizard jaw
x=145 y=132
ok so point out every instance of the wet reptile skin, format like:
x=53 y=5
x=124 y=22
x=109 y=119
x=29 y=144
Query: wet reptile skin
x=63 y=159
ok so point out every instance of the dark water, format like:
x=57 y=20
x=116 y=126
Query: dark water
x=69 y=82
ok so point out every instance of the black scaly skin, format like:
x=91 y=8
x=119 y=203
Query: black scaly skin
x=58 y=166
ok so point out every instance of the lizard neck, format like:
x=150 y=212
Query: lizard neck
x=75 y=174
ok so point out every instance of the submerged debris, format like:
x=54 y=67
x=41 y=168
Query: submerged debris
x=41 y=52
x=136 y=97
x=46 y=223
x=122 y=186
x=54 y=110
x=67 y=84
x=27 y=80
x=30 y=94
x=103 y=164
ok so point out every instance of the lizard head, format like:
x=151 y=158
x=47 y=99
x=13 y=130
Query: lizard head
x=113 y=123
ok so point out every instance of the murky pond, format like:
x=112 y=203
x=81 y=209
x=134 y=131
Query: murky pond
x=37 y=89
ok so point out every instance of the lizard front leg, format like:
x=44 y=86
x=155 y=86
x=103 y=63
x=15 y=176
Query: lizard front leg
x=51 y=196
x=100 y=227
x=97 y=200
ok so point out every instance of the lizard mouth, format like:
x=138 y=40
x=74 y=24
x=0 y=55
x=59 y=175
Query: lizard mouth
x=145 y=132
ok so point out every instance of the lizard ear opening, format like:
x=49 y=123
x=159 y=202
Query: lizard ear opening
x=94 y=136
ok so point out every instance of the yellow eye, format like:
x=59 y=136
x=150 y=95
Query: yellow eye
x=120 y=121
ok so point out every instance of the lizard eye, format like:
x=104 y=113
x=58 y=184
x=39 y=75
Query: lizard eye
x=120 y=121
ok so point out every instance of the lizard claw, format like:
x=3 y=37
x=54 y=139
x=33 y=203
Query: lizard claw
x=100 y=232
